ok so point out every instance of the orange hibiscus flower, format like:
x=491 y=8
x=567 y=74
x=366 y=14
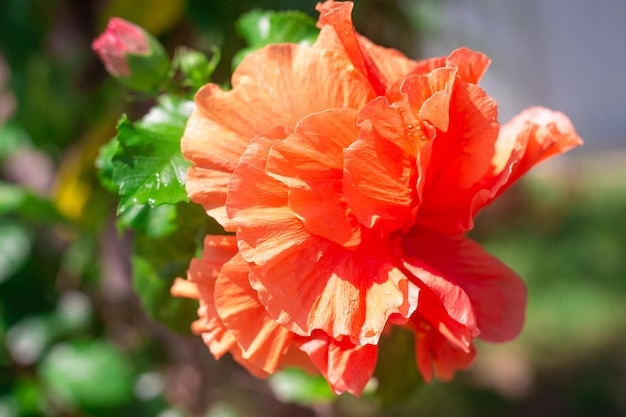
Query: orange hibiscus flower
x=350 y=175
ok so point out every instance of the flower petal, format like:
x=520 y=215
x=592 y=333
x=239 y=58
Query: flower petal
x=257 y=204
x=392 y=64
x=338 y=16
x=202 y=273
x=342 y=292
x=262 y=340
x=310 y=163
x=378 y=181
x=458 y=161
x=471 y=65
x=346 y=367
x=529 y=138
x=434 y=351
x=209 y=187
x=497 y=294
x=430 y=96
x=263 y=95
x=380 y=172
x=443 y=304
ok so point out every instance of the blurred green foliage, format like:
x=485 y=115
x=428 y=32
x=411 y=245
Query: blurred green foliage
x=260 y=28
x=76 y=337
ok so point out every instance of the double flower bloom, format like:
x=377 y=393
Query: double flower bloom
x=350 y=175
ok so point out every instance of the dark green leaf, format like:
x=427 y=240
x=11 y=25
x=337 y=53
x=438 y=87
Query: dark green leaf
x=260 y=28
x=158 y=261
x=87 y=375
x=396 y=371
x=296 y=386
x=153 y=287
x=148 y=165
x=104 y=164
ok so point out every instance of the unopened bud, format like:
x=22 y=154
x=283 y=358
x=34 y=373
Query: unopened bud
x=132 y=55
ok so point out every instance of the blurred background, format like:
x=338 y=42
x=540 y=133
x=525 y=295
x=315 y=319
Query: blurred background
x=74 y=337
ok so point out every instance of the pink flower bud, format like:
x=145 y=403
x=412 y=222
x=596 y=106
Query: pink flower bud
x=132 y=55
x=120 y=38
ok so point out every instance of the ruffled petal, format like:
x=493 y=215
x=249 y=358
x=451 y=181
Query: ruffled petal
x=443 y=304
x=310 y=163
x=458 y=162
x=346 y=367
x=471 y=65
x=275 y=86
x=338 y=16
x=231 y=319
x=380 y=168
x=497 y=294
x=378 y=181
x=258 y=205
x=262 y=340
x=529 y=138
x=430 y=95
x=342 y=292
x=200 y=285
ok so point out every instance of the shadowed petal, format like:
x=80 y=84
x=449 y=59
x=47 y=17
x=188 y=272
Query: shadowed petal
x=443 y=304
x=380 y=170
x=346 y=367
x=434 y=351
x=497 y=294
x=392 y=65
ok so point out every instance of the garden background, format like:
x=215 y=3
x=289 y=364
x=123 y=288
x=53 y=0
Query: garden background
x=75 y=338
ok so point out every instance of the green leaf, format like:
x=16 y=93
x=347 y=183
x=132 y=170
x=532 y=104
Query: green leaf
x=396 y=371
x=153 y=287
x=91 y=375
x=158 y=261
x=260 y=28
x=104 y=164
x=296 y=386
x=148 y=166
x=195 y=67
x=150 y=221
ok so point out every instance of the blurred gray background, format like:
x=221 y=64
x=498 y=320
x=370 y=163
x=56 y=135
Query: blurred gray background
x=569 y=55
